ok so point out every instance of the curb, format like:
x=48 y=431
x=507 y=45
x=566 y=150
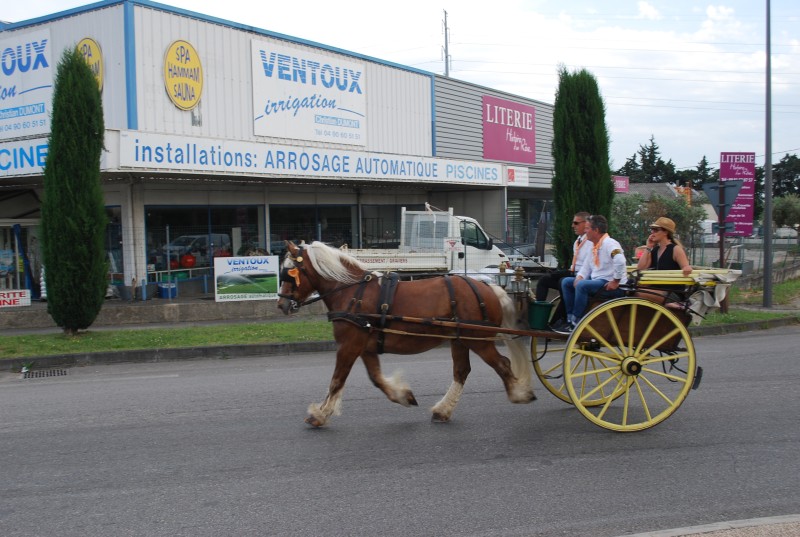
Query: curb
x=224 y=352
x=211 y=352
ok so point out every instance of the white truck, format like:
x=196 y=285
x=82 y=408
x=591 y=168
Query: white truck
x=436 y=241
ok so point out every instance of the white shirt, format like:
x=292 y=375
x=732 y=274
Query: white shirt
x=581 y=249
x=612 y=263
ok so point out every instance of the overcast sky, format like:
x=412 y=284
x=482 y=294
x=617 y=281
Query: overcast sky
x=691 y=73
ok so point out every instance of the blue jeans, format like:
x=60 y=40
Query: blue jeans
x=576 y=297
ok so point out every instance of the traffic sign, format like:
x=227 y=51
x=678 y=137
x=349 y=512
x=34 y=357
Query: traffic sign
x=721 y=195
x=728 y=226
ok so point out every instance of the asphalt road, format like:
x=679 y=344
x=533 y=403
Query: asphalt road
x=219 y=448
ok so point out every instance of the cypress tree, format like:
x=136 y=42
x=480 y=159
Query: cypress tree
x=582 y=175
x=73 y=212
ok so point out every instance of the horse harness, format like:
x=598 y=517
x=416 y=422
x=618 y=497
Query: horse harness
x=383 y=316
x=388 y=288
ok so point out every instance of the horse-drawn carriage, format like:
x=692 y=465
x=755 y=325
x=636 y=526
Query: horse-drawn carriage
x=627 y=366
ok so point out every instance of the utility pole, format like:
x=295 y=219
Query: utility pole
x=767 y=227
x=446 y=47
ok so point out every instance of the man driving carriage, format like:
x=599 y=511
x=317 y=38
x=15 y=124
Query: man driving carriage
x=580 y=249
x=601 y=275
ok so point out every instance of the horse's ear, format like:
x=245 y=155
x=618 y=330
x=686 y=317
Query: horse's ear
x=292 y=248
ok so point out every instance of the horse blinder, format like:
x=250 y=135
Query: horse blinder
x=292 y=277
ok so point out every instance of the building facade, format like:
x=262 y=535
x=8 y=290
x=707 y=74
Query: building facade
x=223 y=139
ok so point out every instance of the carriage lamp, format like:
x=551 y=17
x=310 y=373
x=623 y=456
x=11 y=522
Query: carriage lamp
x=518 y=284
x=502 y=275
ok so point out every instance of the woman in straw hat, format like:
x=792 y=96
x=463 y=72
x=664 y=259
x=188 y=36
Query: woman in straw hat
x=663 y=250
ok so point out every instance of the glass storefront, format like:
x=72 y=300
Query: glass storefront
x=530 y=226
x=332 y=224
x=336 y=225
x=187 y=239
x=21 y=256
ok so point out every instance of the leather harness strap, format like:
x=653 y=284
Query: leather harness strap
x=388 y=289
x=478 y=296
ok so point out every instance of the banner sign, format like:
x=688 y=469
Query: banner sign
x=246 y=278
x=509 y=131
x=26 y=84
x=306 y=96
x=517 y=176
x=175 y=153
x=621 y=183
x=742 y=167
x=12 y=298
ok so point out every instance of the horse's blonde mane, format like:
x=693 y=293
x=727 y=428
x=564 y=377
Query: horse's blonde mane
x=333 y=264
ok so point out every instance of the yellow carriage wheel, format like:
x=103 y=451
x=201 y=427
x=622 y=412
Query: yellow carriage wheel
x=548 y=360
x=633 y=356
x=548 y=363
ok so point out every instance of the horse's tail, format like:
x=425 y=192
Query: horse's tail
x=518 y=346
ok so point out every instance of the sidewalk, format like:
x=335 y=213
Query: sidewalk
x=777 y=526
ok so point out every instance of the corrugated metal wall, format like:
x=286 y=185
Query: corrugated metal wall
x=106 y=27
x=459 y=126
x=398 y=101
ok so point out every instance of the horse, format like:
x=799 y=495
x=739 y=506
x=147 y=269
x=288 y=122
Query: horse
x=374 y=312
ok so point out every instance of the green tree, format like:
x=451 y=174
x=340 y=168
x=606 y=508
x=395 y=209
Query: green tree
x=630 y=225
x=786 y=211
x=786 y=176
x=73 y=213
x=582 y=175
x=633 y=216
x=650 y=168
x=703 y=173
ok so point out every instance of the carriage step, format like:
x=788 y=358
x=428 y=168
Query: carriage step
x=698 y=376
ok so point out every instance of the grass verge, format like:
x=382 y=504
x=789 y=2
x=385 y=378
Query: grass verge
x=94 y=341
x=163 y=338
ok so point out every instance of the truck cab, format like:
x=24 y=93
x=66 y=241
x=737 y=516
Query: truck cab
x=429 y=231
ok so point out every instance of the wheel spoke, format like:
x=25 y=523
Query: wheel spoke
x=648 y=330
x=667 y=358
x=643 y=400
x=655 y=389
x=602 y=385
x=611 y=399
x=662 y=374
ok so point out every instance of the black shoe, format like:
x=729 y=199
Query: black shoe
x=557 y=325
x=565 y=328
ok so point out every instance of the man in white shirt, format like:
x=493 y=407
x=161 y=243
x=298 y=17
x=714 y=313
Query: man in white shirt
x=603 y=272
x=580 y=249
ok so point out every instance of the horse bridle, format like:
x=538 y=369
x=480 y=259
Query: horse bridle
x=292 y=276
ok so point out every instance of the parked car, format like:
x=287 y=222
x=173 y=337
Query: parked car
x=785 y=233
x=201 y=247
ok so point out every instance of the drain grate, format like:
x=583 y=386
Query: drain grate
x=43 y=373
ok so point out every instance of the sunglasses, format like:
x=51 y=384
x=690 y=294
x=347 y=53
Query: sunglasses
x=654 y=229
x=576 y=223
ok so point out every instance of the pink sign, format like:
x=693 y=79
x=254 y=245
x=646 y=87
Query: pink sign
x=742 y=167
x=621 y=183
x=509 y=131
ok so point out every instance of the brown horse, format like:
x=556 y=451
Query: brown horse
x=373 y=313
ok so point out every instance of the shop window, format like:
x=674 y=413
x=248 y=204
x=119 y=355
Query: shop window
x=113 y=245
x=187 y=239
x=332 y=225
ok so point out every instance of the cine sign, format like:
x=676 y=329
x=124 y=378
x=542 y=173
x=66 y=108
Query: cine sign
x=11 y=298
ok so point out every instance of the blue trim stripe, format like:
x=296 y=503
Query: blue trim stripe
x=130 y=67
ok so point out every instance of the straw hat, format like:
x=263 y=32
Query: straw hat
x=665 y=223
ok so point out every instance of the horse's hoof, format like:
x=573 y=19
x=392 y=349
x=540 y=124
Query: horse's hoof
x=439 y=418
x=411 y=399
x=314 y=422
